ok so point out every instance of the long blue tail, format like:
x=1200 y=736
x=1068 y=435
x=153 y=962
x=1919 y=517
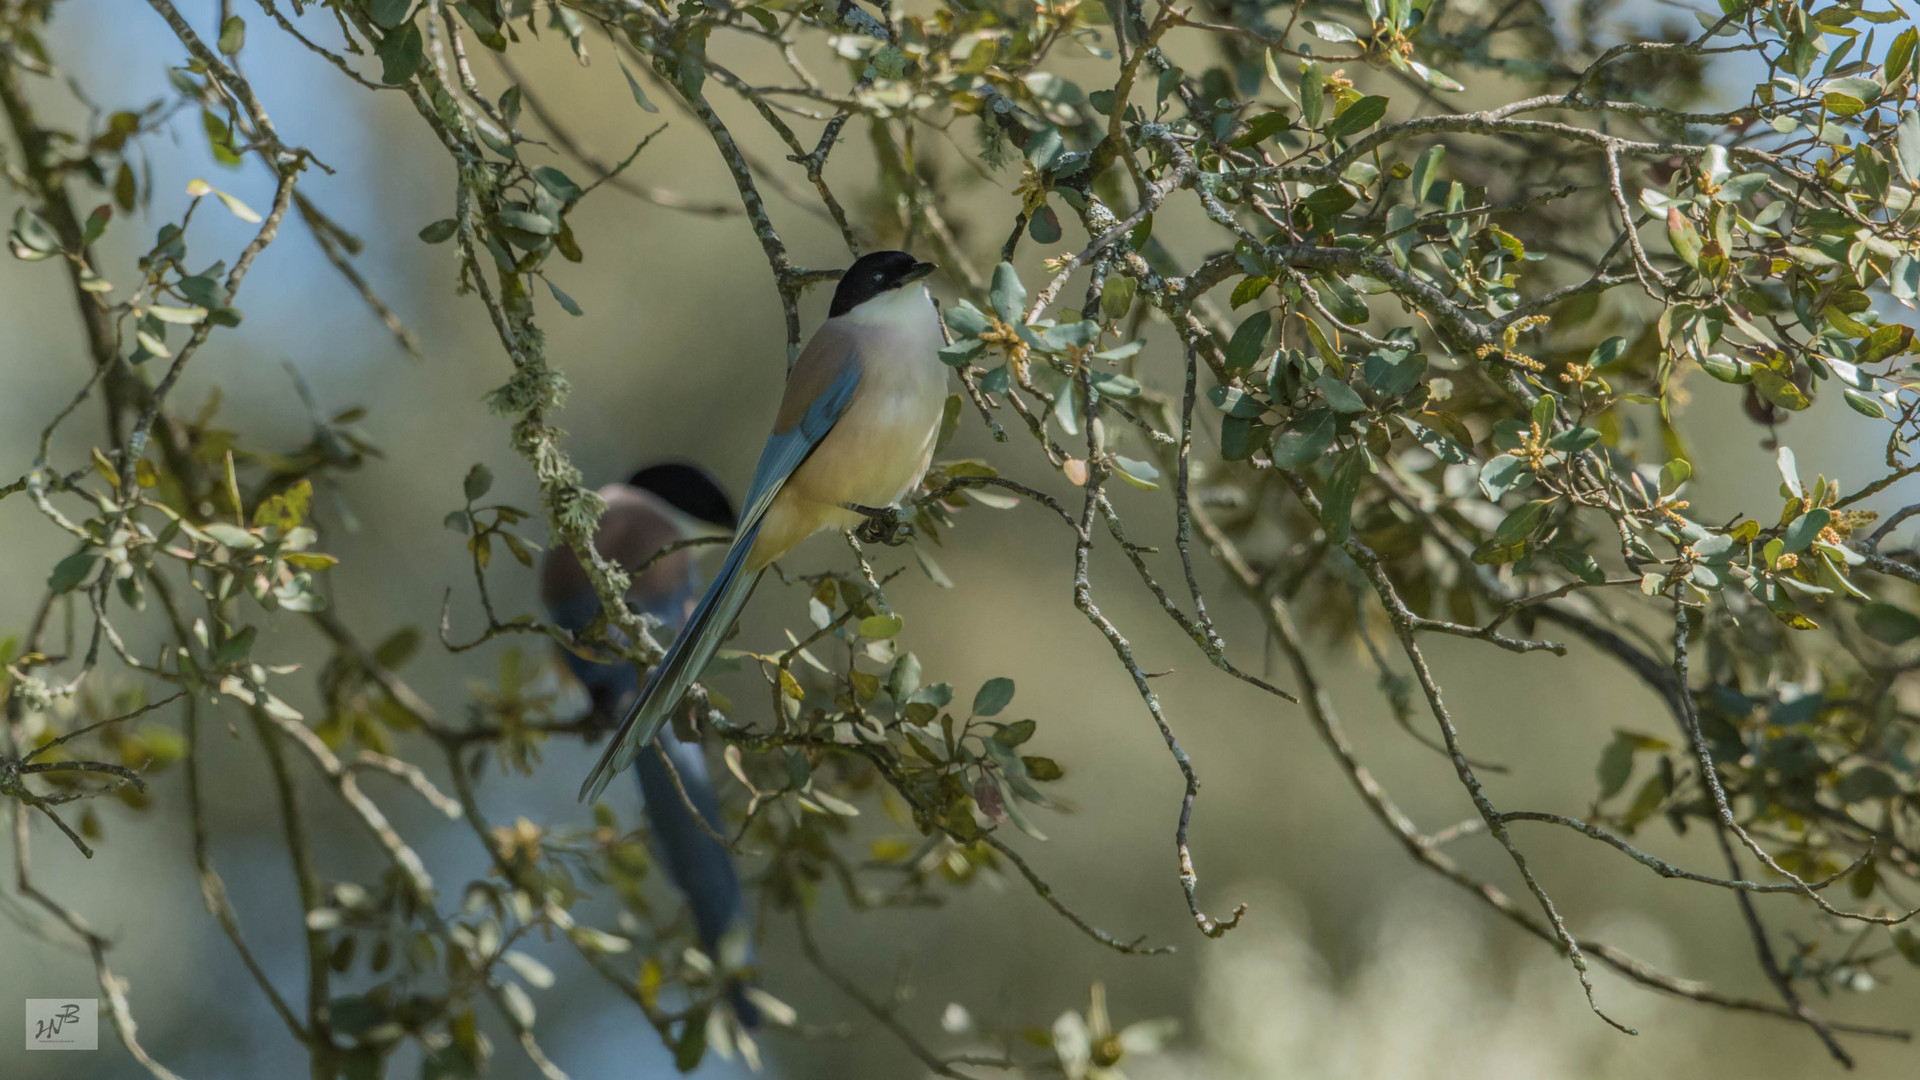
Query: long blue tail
x=698 y=864
x=681 y=667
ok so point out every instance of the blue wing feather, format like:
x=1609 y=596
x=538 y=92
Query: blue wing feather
x=691 y=651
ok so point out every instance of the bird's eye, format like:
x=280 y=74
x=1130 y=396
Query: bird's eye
x=879 y=277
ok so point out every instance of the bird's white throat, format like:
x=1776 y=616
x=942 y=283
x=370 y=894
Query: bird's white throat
x=895 y=307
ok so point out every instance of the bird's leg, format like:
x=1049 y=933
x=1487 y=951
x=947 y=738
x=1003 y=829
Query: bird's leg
x=884 y=525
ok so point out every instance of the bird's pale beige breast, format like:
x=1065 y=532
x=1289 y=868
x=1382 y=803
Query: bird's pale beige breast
x=876 y=452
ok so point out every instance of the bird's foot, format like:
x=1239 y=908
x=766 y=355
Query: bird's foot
x=884 y=525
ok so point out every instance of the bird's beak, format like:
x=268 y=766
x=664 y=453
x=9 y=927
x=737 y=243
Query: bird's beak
x=920 y=270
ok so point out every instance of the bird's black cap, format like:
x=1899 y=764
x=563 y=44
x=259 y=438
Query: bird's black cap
x=873 y=274
x=688 y=489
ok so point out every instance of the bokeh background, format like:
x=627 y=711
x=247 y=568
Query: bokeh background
x=1352 y=962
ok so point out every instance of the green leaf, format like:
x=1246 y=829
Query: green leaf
x=1014 y=734
x=1042 y=769
x=387 y=14
x=398 y=648
x=33 y=233
x=232 y=536
x=528 y=221
x=566 y=302
x=1340 y=397
x=1645 y=802
x=400 y=52
x=1742 y=187
x=97 y=224
x=1261 y=128
x=938 y=695
x=1580 y=565
x=233 y=35
x=1333 y=32
x=1239 y=438
x=961 y=351
x=1439 y=80
x=1900 y=53
x=1778 y=389
x=1044 y=225
x=69 y=572
x=1674 y=473
x=1867 y=782
x=1246 y=292
x=1684 y=238
x=880 y=627
x=1616 y=765
x=1789 y=473
x=1887 y=624
x=1607 y=351
x=287 y=509
x=966 y=320
x=1727 y=369
x=1328 y=203
x=1805 y=529
x=1393 y=374
x=1437 y=441
x=478 y=482
x=994 y=696
x=1503 y=474
x=1324 y=348
x=1304 y=441
x=1248 y=341
x=692 y=1044
x=639 y=95
x=177 y=315
x=1140 y=474
x=1864 y=404
x=1906 y=145
x=1426 y=169
x=1574 y=440
x=558 y=183
x=904 y=678
x=1519 y=524
x=1081 y=334
x=235 y=648
x=1043 y=147
x=1116 y=387
x=1116 y=296
x=1358 y=116
x=1313 y=92
x=1843 y=104
x=1336 y=501
x=440 y=231
x=237 y=208
x=204 y=291
x=1714 y=547
x=1143 y=232
x=1008 y=295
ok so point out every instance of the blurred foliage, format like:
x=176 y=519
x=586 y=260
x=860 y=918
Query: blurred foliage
x=1427 y=375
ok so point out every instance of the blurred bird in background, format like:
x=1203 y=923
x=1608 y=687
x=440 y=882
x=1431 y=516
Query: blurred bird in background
x=854 y=434
x=657 y=506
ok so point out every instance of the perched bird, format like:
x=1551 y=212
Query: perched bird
x=656 y=507
x=854 y=434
